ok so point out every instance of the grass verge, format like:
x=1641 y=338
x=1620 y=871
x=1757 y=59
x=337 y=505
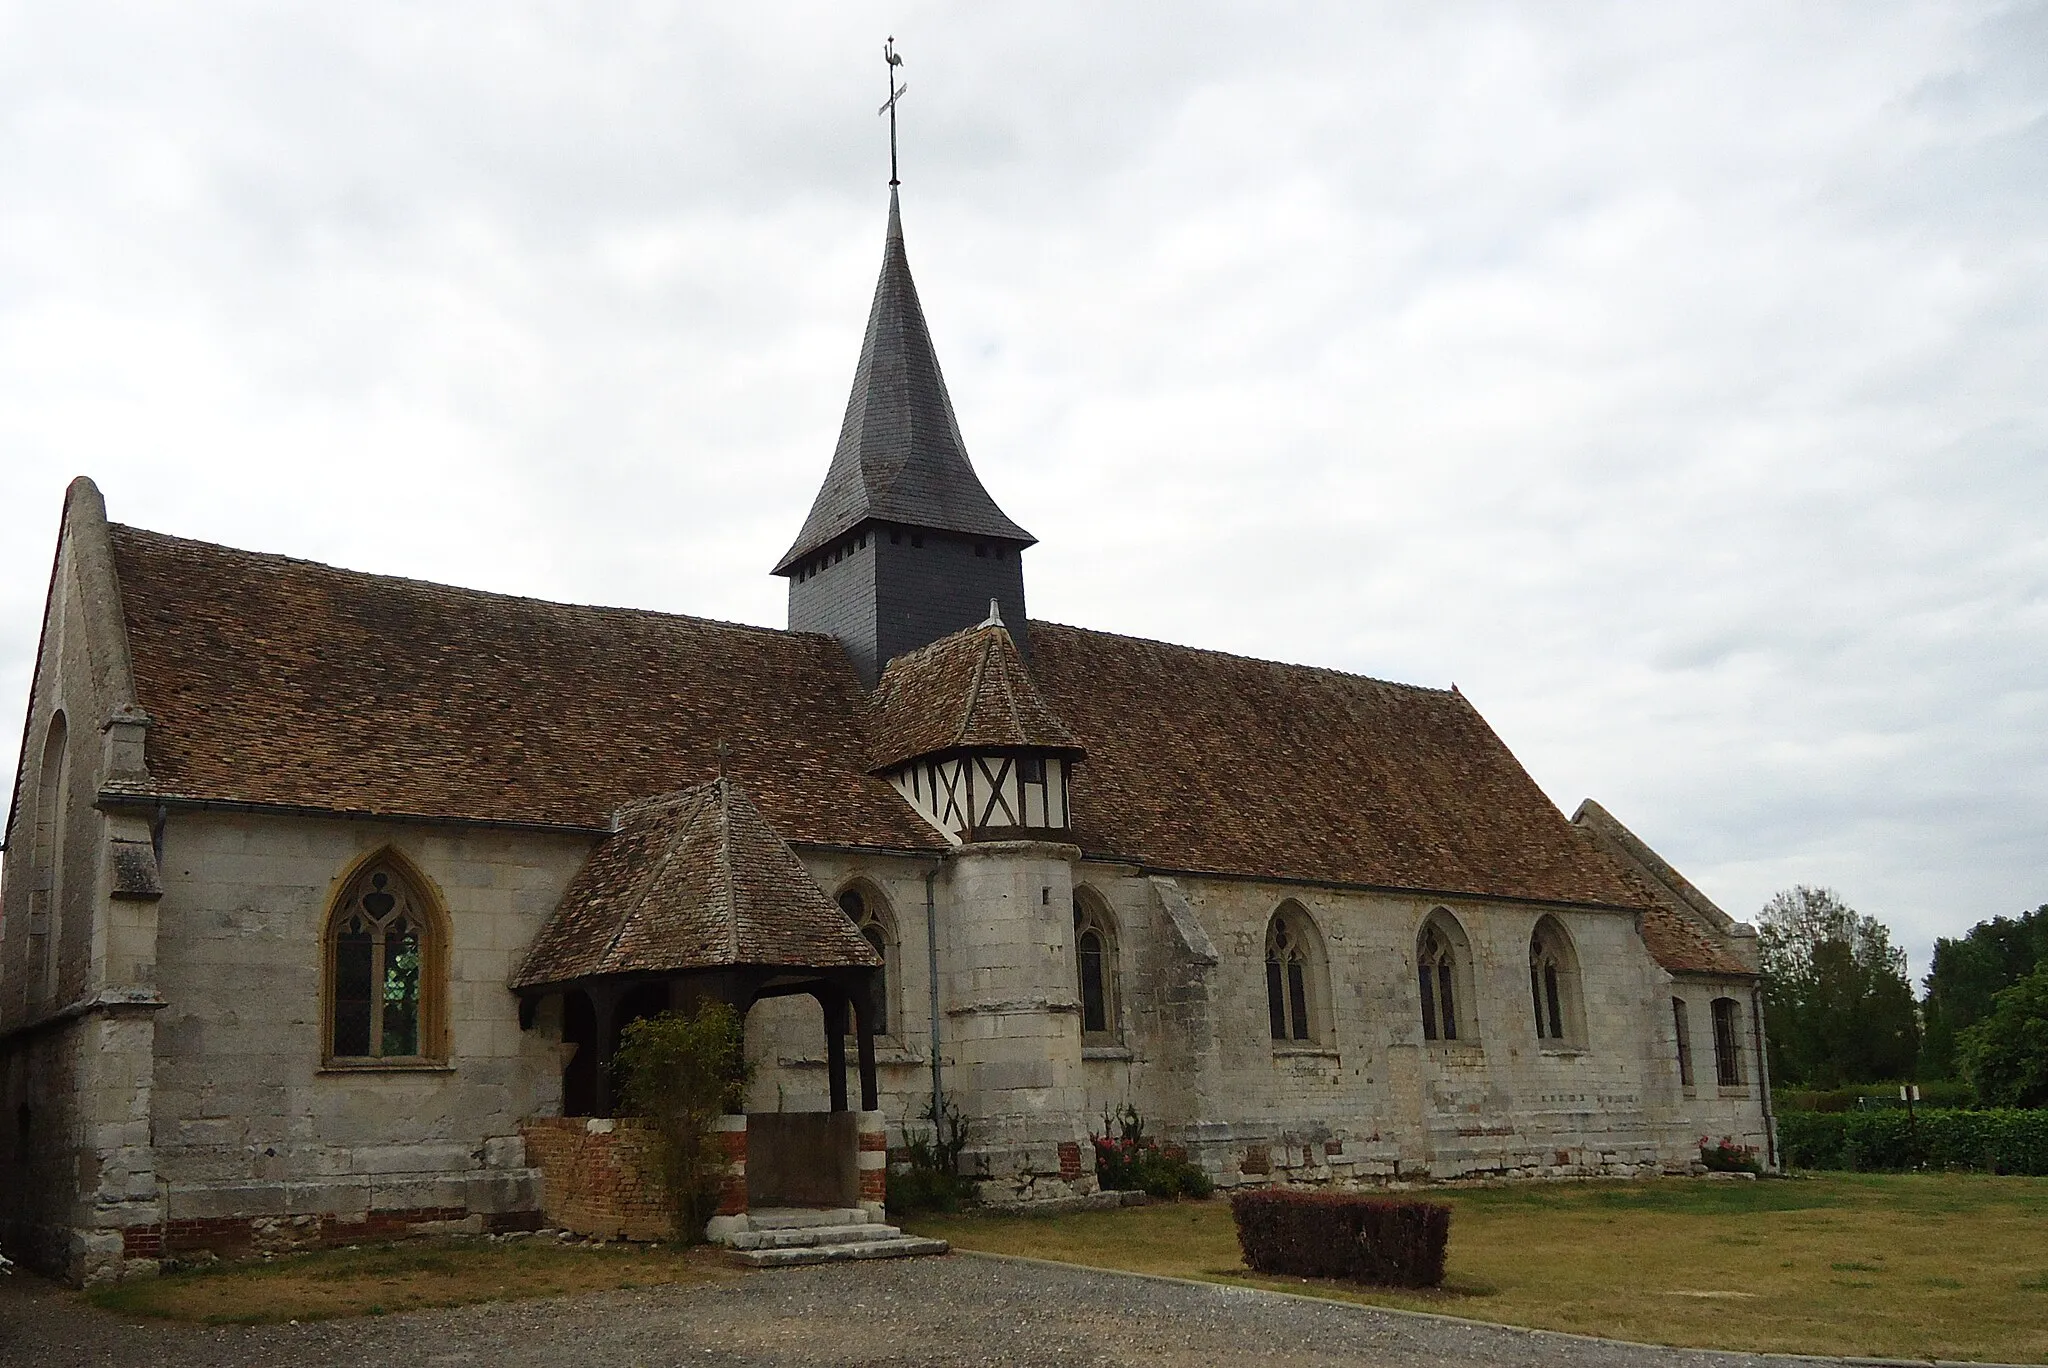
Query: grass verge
x=376 y=1279
x=1921 y=1266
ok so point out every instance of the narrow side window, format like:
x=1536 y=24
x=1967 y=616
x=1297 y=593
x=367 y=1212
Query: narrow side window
x=1683 y=1030
x=1727 y=1043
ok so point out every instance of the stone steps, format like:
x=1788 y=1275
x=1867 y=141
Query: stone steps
x=786 y=1237
x=901 y=1247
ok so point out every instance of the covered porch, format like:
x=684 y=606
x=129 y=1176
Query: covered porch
x=695 y=899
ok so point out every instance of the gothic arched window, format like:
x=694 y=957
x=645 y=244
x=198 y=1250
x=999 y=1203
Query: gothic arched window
x=1443 y=978
x=865 y=910
x=1095 y=971
x=1554 y=984
x=1293 y=973
x=385 y=948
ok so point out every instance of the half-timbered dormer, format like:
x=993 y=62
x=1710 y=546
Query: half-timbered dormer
x=965 y=737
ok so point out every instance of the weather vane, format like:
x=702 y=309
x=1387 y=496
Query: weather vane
x=896 y=92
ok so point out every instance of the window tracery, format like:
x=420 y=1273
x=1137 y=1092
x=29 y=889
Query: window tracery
x=1292 y=970
x=1442 y=977
x=1554 y=984
x=383 y=957
x=864 y=911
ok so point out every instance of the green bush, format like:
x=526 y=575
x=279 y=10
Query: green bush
x=2002 y=1141
x=1131 y=1161
x=929 y=1179
x=682 y=1072
x=1725 y=1156
x=913 y=1189
x=1871 y=1097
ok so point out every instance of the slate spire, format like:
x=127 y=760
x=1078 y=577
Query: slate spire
x=900 y=459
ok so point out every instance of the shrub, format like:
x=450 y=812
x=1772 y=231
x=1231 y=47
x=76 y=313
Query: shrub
x=1939 y=1093
x=1132 y=1161
x=930 y=1178
x=1725 y=1156
x=1396 y=1242
x=2007 y=1141
x=682 y=1072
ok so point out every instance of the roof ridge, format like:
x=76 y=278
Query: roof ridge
x=973 y=694
x=1452 y=691
x=457 y=590
x=723 y=786
x=631 y=909
x=1009 y=685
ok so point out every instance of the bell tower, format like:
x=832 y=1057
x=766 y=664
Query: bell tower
x=903 y=545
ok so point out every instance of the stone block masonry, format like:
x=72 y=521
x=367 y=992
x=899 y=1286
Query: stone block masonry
x=241 y=1236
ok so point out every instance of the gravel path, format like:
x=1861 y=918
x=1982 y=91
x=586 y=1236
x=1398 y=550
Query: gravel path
x=956 y=1310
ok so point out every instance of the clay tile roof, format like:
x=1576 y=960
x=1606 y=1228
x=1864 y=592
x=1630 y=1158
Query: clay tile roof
x=1201 y=761
x=1684 y=930
x=900 y=457
x=966 y=691
x=281 y=682
x=692 y=880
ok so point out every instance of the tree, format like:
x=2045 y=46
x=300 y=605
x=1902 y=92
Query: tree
x=682 y=1073
x=1970 y=970
x=2005 y=1055
x=1837 y=1005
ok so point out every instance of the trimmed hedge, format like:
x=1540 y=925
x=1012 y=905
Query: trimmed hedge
x=2005 y=1141
x=1940 y=1093
x=1395 y=1242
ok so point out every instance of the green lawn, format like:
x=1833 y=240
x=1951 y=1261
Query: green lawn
x=1924 y=1266
x=408 y=1276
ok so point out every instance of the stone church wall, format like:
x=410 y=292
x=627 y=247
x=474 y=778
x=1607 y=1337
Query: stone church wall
x=1707 y=1110
x=247 y=1121
x=76 y=937
x=1368 y=1099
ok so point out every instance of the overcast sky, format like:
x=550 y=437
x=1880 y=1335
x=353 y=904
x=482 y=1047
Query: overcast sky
x=1670 y=377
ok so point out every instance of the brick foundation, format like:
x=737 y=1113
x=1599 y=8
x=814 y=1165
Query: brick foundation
x=598 y=1177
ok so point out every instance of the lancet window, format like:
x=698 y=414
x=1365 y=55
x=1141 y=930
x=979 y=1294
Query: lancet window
x=865 y=911
x=1554 y=983
x=1095 y=971
x=383 y=965
x=1441 y=979
x=1293 y=974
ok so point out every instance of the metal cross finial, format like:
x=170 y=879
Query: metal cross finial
x=724 y=754
x=896 y=92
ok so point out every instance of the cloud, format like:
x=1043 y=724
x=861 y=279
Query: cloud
x=1669 y=377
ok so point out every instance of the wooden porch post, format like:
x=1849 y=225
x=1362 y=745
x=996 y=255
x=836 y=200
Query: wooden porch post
x=864 y=1024
x=604 y=1006
x=834 y=1003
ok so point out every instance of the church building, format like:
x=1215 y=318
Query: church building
x=326 y=894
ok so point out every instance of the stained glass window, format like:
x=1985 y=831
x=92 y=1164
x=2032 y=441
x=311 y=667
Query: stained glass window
x=378 y=958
